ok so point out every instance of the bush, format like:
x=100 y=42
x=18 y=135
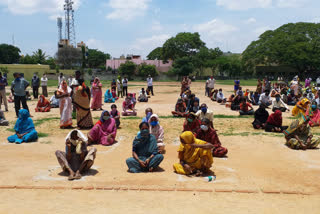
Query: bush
x=127 y=69
x=145 y=70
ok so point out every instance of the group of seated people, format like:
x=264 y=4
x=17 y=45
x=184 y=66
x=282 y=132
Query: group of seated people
x=186 y=104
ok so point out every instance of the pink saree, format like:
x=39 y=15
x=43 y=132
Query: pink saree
x=99 y=133
x=96 y=94
x=314 y=117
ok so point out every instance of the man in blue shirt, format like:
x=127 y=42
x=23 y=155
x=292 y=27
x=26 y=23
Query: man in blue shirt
x=3 y=84
x=18 y=89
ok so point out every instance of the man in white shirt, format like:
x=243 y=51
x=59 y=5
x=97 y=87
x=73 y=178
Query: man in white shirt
x=125 y=86
x=278 y=104
x=211 y=83
x=265 y=98
x=44 y=84
x=220 y=97
x=150 y=84
x=204 y=112
x=70 y=81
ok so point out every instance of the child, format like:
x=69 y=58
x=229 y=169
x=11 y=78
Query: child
x=115 y=114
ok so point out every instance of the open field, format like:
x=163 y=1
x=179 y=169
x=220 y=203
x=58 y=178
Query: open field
x=260 y=174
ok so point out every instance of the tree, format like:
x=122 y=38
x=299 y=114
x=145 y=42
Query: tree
x=39 y=56
x=9 y=54
x=127 y=69
x=294 y=44
x=201 y=59
x=27 y=59
x=97 y=58
x=183 y=66
x=230 y=65
x=51 y=62
x=183 y=44
x=155 y=54
x=69 y=57
x=145 y=70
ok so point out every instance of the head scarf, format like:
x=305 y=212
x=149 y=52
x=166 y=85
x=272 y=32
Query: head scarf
x=295 y=125
x=108 y=94
x=24 y=123
x=43 y=102
x=102 y=114
x=145 y=146
x=77 y=143
x=275 y=118
x=305 y=101
x=157 y=130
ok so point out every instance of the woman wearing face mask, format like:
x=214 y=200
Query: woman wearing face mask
x=43 y=105
x=208 y=134
x=299 y=135
x=204 y=112
x=77 y=158
x=145 y=155
x=148 y=112
x=314 y=114
x=278 y=104
x=104 y=131
x=191 y=123
x=157 y=131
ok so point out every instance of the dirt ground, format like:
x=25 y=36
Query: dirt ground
x=257 y=162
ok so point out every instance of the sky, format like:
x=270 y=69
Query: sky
x=138 y=26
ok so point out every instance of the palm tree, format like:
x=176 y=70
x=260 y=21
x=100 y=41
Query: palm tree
x=39 y=56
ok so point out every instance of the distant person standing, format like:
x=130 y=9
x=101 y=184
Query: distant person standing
x=236 y=86
x=44 y=85
x=125 y=86
x=35 y=82
x=18 y=89
x=61 y=78
x=207 y=92
x=211 y=83
x=150 y=84
x=70 y=80
x=119 y=86
x=3 y=84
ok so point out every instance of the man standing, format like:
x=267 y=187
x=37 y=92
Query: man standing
x=35 y=86
x=3 y=84
x=211 y=83
x=125 y=86
x=60 y=79
x=18 y=89
x=150 y=84
x=44 y=84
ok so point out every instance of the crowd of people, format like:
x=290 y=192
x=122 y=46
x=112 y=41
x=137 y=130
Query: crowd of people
x=199 y=141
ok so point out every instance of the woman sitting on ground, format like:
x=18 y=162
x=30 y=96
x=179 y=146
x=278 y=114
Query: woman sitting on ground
x=260 y=117
x=115 y=114
x=43 y=105
x=143 y=96
x=235 y=104
x=104 y=132
x=255 y=98
x=108 y=98
x=157 y=130
x=314 y=114
x=214 y=94
x=299 y=135
x=128 y=108
x=208 y=134
x=180 y=109
x=191 y=123
x=3 y=121
x=24 y=128
x=245 y=108
x=195 y=155
x=274 y=122
x=76 y=159
x=301 y=107
x=145 y=155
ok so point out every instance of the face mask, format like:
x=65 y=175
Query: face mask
x=149 y=114
x=204 y=110
x=190 y=120
x=204 y=127
x=105 y=117
x=154 y=123
x=278 y=99
x=18 y=78
x=144 y=133
x=314 y=107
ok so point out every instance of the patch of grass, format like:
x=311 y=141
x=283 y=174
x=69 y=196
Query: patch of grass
x=251 y=82
x=46 y=142
x=40 y=134
x=11 y=130
x=41 y=121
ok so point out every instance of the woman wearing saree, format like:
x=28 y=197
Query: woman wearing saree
x=314 y=114
x=96 y=94
x=195 y=155
x=108 y=98
x=24 y=128
x=157 y=130
x=299 y=135
x=65 y=105
x=81 y=100
x=43 y=105
x=145 y=155
x=192 y=123
x=128 y=107
x=104 y=132
x=301 y=107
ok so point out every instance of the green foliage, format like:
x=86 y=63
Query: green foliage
x=9 y=54
x=27 y=59
x=69 y=57
x=229 y=65
x=182 y=45
x=294 y=44
x=90 y=71
x=51 y=62
x=97 y=58
x=4 y=70
x=155 y=54
x=83 y=54
x=39 y=57
x=57 y=69
x=183 y=66
x=127 y=69
x=204 y=57
x=145 y=70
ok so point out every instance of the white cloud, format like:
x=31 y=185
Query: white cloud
x=144 y=45
x=315 y=20
x=127 y=9
x=250 y=21
x=156 y=26
x=290 y=3
x=29 y=7
x=244 y=4
x=215 y=27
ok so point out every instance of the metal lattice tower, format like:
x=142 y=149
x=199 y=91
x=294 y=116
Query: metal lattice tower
x=69 y=16
x=59 y=23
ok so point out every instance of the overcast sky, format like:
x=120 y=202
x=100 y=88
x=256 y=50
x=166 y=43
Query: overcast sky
x=138 y=26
